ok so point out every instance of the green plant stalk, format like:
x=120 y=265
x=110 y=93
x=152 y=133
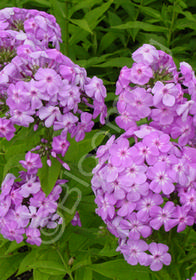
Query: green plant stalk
x=172 y=25
x=64 y=263
x=136 y=17
x=66 y=39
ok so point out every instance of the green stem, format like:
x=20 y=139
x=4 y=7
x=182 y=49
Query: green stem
x=61 y=257
x=186 y=237
x=66 y=39
x=136 y=16
x=64 y=263
x=172 y=25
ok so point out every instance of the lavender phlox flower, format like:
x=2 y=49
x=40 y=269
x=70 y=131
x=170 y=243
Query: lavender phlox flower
x=34 y=94
x=76 y=220
x=17 y=96
x=157 y=143
x=7 y=129
x=136 y=187
x=32 y=162
x=146 y=203
x=164 y=115
x=134 y=252
x=95 y=89
x=48 y=80
x=140 y=74
x=161 y=181
x=136 y=227
x=37 y=216
x=15 y=195
x=124 y=78
x=133 y=174
x=109 y=173
x=33 y=236
x=31 y=186
x=120 y=153
x=60 y=145
x=69 y=96
x=182 y=217
x=125 y=120
x=53 y=221
x=12 y=232
x=40 y=201
x=5 y=204
x=56 y=191
x=50 y=114
x=139 y=102
x=106 y=206
x=20 y=215
x=85 y=125
x=117 y=190
x=103 y=150
x=166 y=64
x=180 y=172
x=125 y=207
x=115 y=228
x=159 y=256
x=189 y=154
x=187 y=72
x=100 y=108
x=7 y=184
x=65 y=122
x=21 y=117
x=163 y=216
x=165 y=93
x=137 y=191
x=146 y=54
x=144 y=130
x=184 y=109
x=189 y=199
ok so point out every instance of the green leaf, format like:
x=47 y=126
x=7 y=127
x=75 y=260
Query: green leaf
x=27 y=261
x=141 y=25
x=83 y=4
x=48 y=175
x=84 y=262
x=38 y=275
x=14 y=246
x=9 y=265
x=121 y=270
x=82 y=23
x=80 y=149
x=184 y=23
x=150 y=12
x=117 y=62
x=13 y=162
x=93 y=17
x=50 y=267
x=38 y=3
x=84 y=274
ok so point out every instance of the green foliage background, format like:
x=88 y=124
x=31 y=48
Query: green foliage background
x=100 y=36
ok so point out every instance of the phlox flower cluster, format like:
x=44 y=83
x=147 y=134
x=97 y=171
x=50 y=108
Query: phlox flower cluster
x=153 y=89
x=24 y=207
x=142 y=188
x=145 y=181
x=41 y=86
x=29 y=27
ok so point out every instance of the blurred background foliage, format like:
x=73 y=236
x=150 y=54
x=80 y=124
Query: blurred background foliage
x=101 y=36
